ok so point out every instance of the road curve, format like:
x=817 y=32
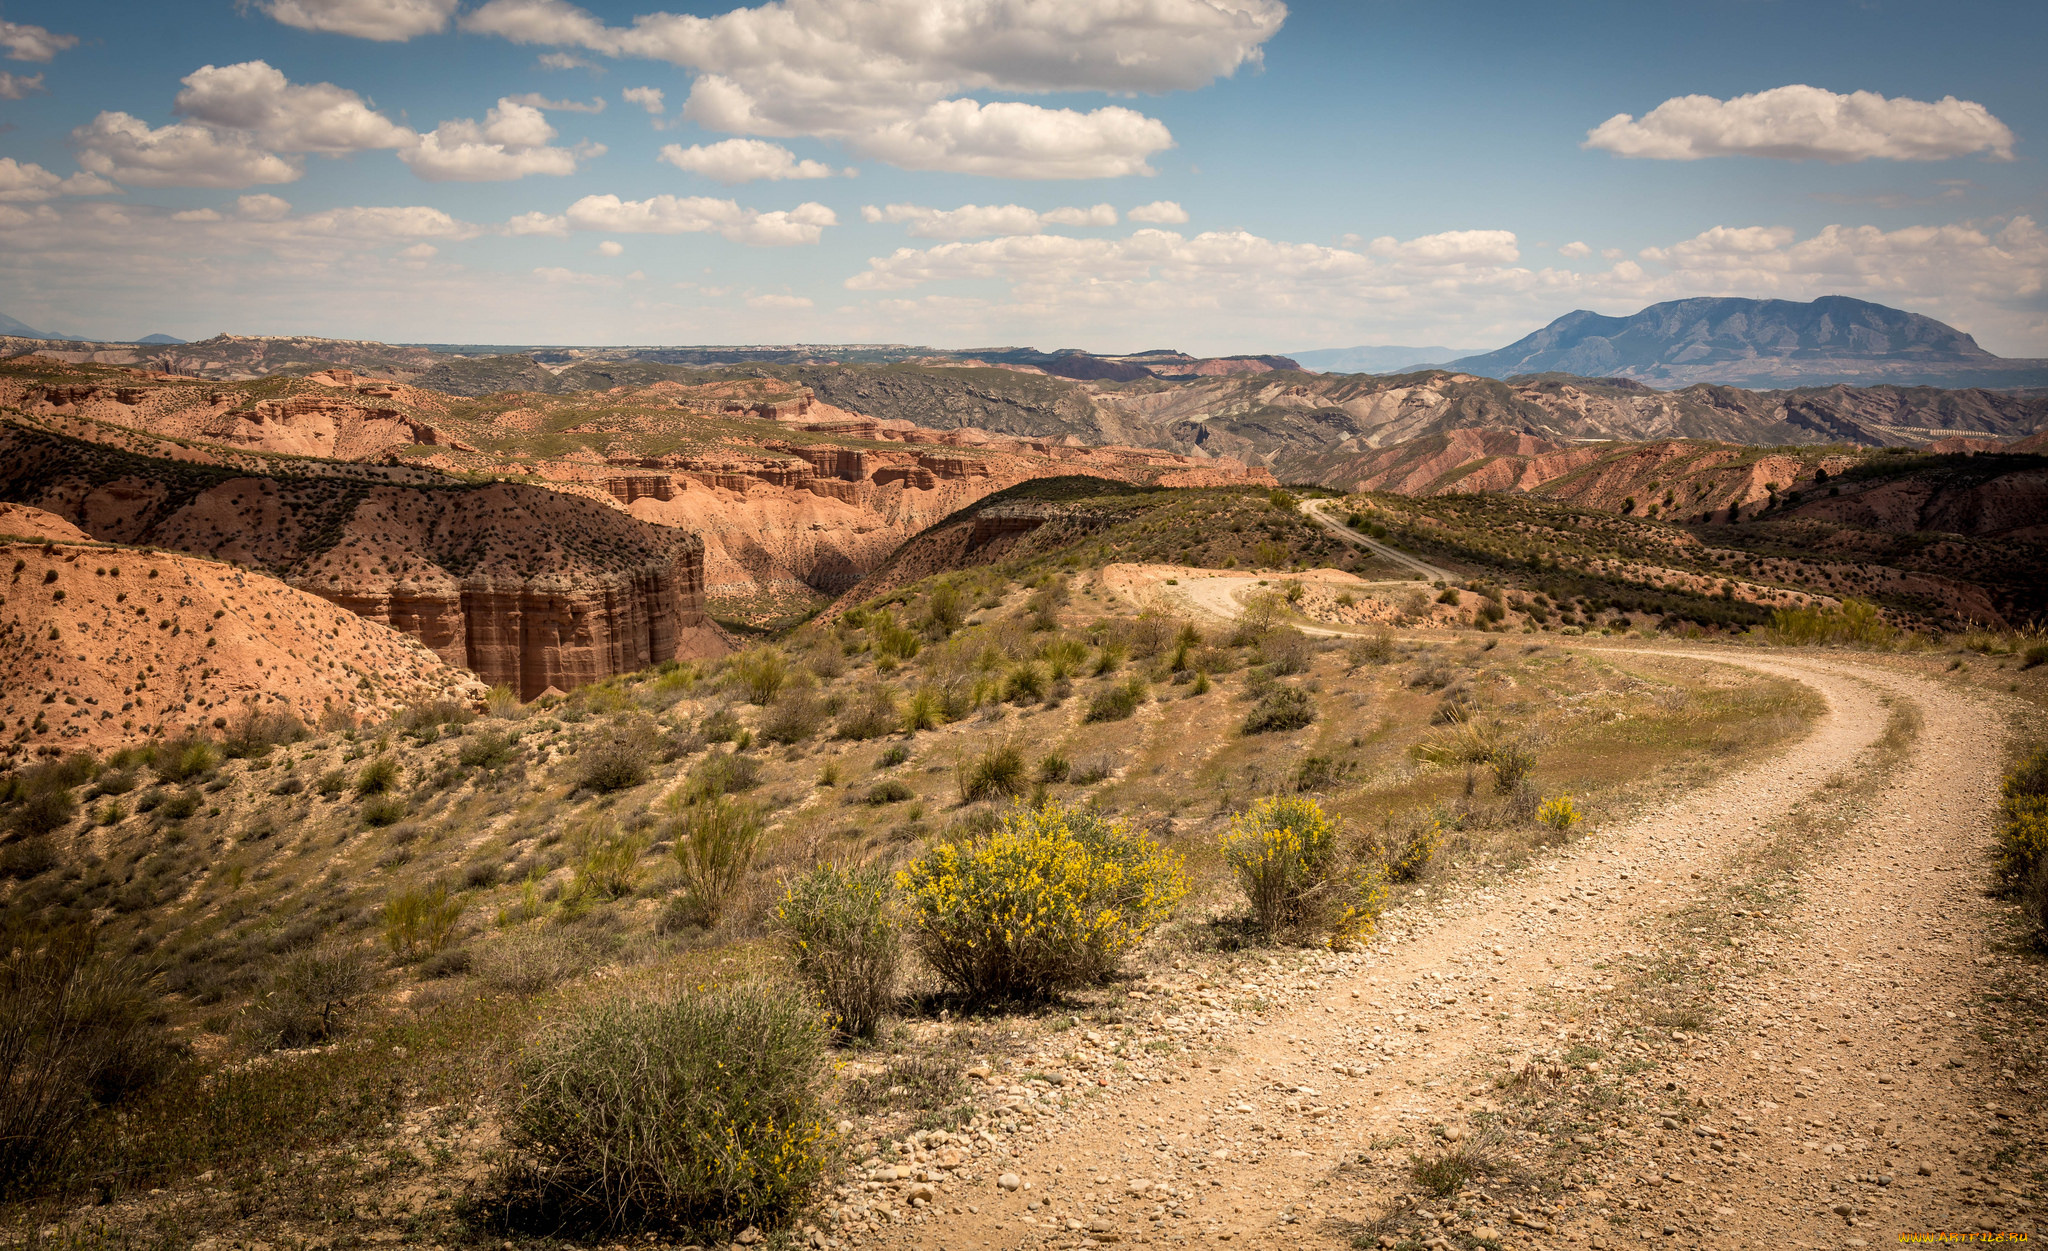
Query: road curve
x=1314 y=508
x=1837 y=1054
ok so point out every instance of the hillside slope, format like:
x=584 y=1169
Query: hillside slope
x=102 y=645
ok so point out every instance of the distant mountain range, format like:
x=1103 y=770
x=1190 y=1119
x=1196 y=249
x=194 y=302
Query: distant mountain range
x=11 y=328
x=1760 y=344
x=1376 y=360
x=1756 y=344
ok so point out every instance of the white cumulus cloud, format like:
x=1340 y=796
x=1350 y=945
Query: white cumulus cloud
x=972 y=221
x=888 y=76
x=649 y=98
x=387 y=21
x=19 y=86
x=611 y=247
x=779 y=303
x=21 y=182
x=1011 y=140
x=535 y=100
x=742 y=160
x=536 y=223
x=284 y=116
x=1160 y=213
x=511 y=142
x=32 y=43
x=671 y=215
x=1452 y=247
x=126 y=149
x=1801 y=123
x=1575 y=251
x=263 y=207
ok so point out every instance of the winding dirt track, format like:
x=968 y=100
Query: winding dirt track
x=1843 y=1052
x=1314 y=508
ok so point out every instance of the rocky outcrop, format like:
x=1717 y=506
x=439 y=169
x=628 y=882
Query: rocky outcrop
x=814 y=517
x=102 y=646
x=525 y=586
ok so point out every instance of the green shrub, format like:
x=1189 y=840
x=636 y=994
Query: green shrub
x=2034 y=656
x=179 y=806
x=895 y=754
x=838 y=928
x=1048 y=901
x=1281 y=708
x=421 y=920
x=1054 y=767
x=1063 y=657
x=890 y=791
x=722 y=725
x=871 y=714
x=696 y=1111
x=44 y=810
x=1286 y=651
x=616 y=762
x=761 y=672
x=529 y=960
x=1856 y=622
x=1118 y=702
x=1319 y=773
x=713 y=841
x=310 y=997
x=378 y=811
x=994 y=772
x=1513 y=760
x=2023 y=819
x=77 y=1033
x=25 y=858
x=183 y=759
x=892 y=641
x=607 y=859
x=721 y=773
x=1376 y=648
x=927 y=710
x=1025 y=684
x=1291 y=865
x=330 y=783
x=489 y=750
x=793 y=716
x=2034 y=904
x=377 y=777
x=258 y=731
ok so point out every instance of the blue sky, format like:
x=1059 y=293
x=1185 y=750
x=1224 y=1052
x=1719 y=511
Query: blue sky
x=1306 y=175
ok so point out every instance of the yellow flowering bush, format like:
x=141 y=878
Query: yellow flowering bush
x=2023 y=823
x=1049 y=900
x=1291 y=864
x=698 y=1111
x=1282 y=850
x=1406 y=862
x=1559 y=812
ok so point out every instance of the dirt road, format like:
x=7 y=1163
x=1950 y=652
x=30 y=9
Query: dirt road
x=1825 y=1087
x=1316 y=510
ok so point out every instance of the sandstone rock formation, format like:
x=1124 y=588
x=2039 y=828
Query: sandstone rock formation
x=526 y=586
x=103 y=645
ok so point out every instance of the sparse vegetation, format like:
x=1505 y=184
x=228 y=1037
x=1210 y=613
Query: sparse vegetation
x=994 y=772
x=691 y=1111
x=1281 y=708
x=714 y=841
x=838 y=928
